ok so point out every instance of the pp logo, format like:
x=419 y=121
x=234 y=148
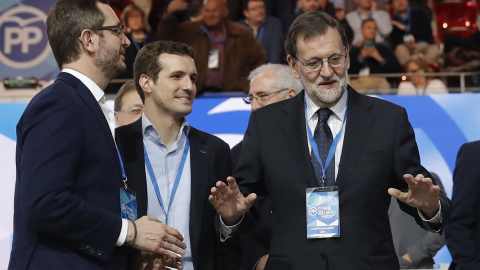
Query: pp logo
x=313 y=211
x=23 y=39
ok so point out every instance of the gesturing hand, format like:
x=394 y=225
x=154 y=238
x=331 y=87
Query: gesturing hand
x=421 y=194
x=229 y=201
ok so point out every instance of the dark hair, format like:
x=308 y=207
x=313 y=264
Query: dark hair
x=245 y=3
x=309 y=25
x=65 y=23
x=126 y=87
x=147 y=61
x=127 y=11
x=368 y=20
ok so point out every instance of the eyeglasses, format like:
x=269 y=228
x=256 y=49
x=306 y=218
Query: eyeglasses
x=116 y=29
x=334 y=61
x=261 y=96
x=135 y=110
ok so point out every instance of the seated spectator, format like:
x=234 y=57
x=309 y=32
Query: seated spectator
x=369 y=57
x=312 y=5
x=283 y=10
x=225 y=51
x=138 y=32
x=128 y=104
x=411 y=33
x=367 y=9
x=266 y=29
x=415 y=247
x=420 y=85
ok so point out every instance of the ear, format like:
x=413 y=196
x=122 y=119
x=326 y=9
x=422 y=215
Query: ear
x=347 y=52
x=293 y=66
x=116 y=117
x=88 y=39
x=291 y=93
x=144 y=82
x=245 y=13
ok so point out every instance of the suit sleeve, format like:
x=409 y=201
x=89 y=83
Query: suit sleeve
x=51 y=164
x=461 y=232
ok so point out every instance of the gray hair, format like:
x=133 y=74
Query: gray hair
x=283 y=74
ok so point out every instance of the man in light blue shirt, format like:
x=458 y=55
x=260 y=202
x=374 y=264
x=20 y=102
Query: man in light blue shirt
x=169 y=164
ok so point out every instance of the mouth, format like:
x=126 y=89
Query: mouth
x=328 y=83
x=184 y=98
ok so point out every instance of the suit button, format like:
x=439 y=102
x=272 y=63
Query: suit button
x=99 y=252
x=87 y=248
x=93 y=250
x=323 y=255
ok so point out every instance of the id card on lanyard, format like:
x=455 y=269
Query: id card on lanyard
x=214 y=54
x=128 y=198
x=322 y=204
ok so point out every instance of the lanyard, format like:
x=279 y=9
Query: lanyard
x=260 y=32
x=313 y=144
x=124 y=176
x=177 y=178
x=210 y=36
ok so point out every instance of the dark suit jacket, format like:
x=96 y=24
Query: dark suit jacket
x=67 y=191
x=379 y=147
x=210 y=162
x=463 y=231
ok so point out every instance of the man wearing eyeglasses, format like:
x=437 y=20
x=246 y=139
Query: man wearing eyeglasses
x=128 y=104
x=329 y=159
x=67 y=209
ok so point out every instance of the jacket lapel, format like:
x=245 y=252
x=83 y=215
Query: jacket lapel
x=358 y=126
x=294 y=129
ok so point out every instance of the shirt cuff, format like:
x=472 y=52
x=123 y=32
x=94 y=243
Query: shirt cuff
x=226 y=231
x=123 y=233
x=437 y=219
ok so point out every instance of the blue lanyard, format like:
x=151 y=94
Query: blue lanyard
x=177 y=178
x=124 y=176
x=210 y=36
x=313 y=144
x=260 y=33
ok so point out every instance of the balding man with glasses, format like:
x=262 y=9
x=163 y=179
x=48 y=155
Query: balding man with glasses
x=73 y=208
x=329 y=159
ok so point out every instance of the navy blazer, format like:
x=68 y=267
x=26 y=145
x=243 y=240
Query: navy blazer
x=379 y=147
x=210 y=162
x=463 y=230
x=67 y=191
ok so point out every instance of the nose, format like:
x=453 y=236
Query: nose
x=326 y=70
x=188 y=84
x=126 y=41
x=255 y=105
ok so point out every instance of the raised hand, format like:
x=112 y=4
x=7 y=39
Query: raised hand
x=229 y=201
x=421 y=194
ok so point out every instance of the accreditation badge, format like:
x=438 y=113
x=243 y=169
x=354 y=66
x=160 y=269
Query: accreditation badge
x=213 y=59
x=323 y=217
x=128 y=203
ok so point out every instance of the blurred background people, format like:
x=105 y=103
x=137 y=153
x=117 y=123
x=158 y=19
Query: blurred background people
x=225 y=51
x=128 y=105
x=369 y=57
x=137 y=31
x=412 y=32
x=266 y=29
x=415 y=247
x=420 y=85
x=367 y=9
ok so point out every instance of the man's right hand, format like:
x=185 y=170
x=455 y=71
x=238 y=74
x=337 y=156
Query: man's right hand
x=155 y=237
x=229 y=201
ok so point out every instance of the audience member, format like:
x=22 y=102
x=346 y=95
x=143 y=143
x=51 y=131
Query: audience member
x=138 y=32
x=128 y=105
x=67 y=211
x=340 y=15
x=462 y=232
x=415 y=247
x=369 y=57
x=411 y=34
x=313 y=5
x=225 y=51
x=266 y=29
x=375 y=159
x=281 y=9
x=367 y=9
x=268 y=84
x=162 y=152
x=420 y=85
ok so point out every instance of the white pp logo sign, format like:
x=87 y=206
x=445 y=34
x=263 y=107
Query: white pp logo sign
x=23 y=39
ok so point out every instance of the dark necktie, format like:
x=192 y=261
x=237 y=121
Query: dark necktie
x=324 y=139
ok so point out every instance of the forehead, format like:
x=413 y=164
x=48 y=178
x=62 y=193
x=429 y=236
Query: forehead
x=320 y=46
x=177 y=63
x=263 y=82
x=255 y=3
x=131 y=97
x=214 y=4
x=110 y=17
x=370 y=24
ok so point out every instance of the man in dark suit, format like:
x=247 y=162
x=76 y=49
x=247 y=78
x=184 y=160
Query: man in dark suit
x=67 y=192
x=376 y=155
x=462 y=231
x=171 y=165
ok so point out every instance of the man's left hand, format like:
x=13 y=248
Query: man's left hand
x=421 y=194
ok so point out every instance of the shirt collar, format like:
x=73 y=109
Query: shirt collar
x=147 y=128
x=92 y=86
x=338 y=109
